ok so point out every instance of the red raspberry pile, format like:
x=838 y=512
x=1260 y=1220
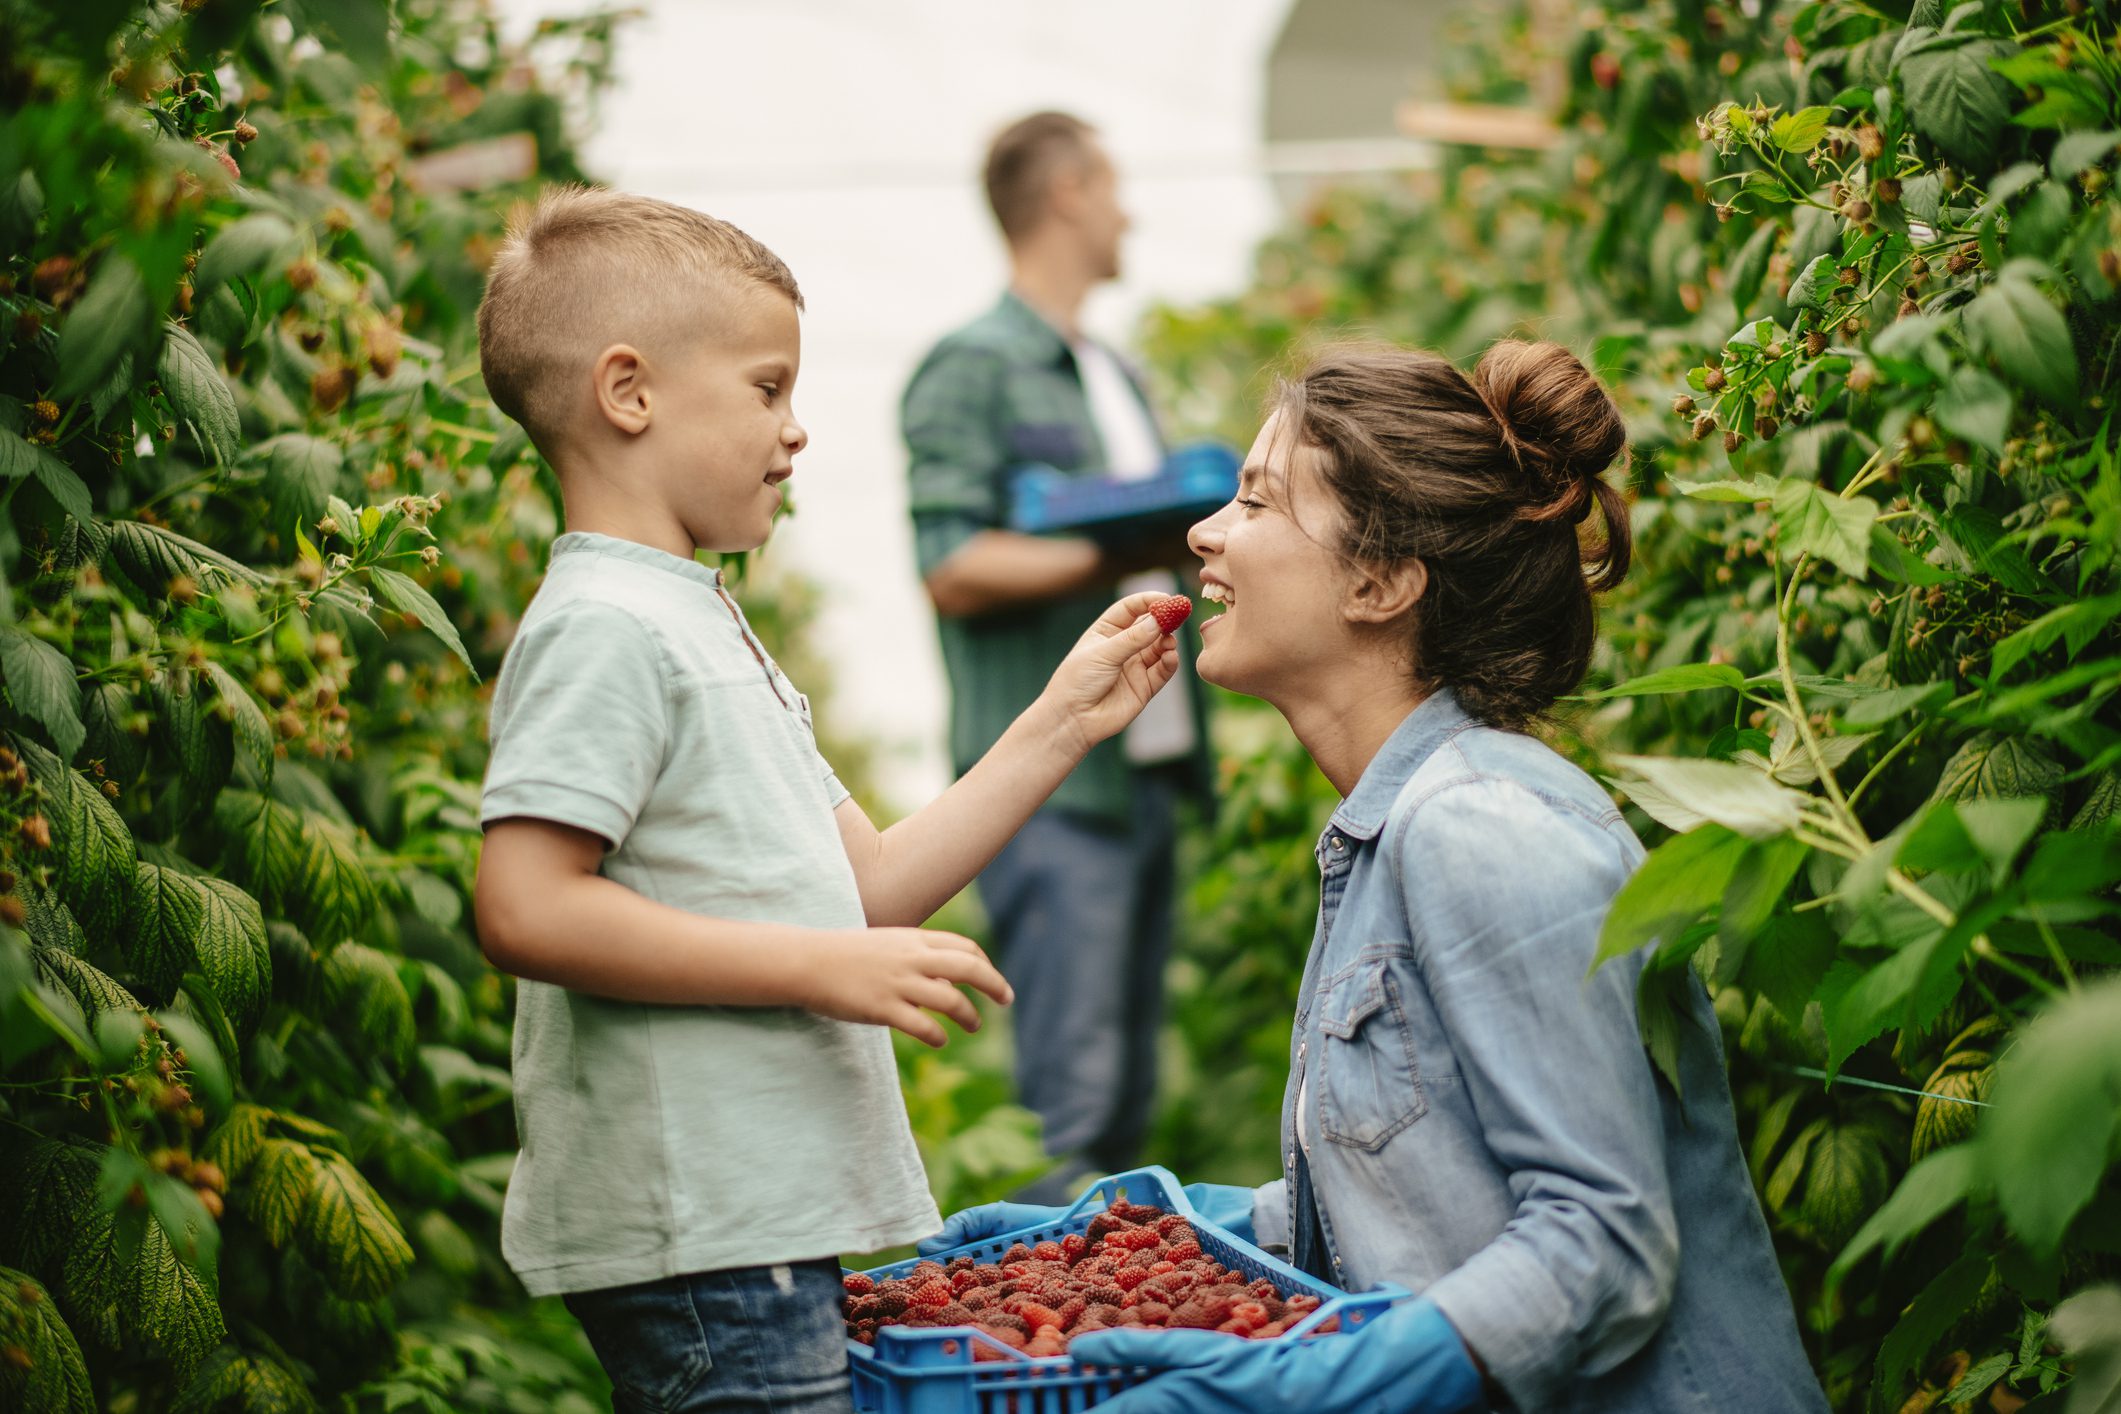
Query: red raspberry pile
x=1136 y=1266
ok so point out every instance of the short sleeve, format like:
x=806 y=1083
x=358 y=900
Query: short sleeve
x=957 y=448
x=580 y=722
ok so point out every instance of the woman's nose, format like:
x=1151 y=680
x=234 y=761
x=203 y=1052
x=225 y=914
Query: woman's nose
x=1206 y=536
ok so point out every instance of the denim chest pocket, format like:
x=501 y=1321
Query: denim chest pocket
x=1369 y=1083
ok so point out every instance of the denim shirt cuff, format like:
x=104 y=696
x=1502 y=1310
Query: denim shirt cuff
x=1513 y=1315
x=1270 y=1216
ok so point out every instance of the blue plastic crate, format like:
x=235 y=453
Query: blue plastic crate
x=932 y=1371
x=1194 y=481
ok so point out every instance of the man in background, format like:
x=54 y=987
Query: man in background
x=1081 y=900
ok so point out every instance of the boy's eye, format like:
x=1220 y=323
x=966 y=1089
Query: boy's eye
x=771 y=390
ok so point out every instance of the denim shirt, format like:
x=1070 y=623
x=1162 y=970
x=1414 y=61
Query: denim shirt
x=1480 y=1118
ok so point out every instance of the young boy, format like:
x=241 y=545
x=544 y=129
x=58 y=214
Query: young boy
x=711 y=935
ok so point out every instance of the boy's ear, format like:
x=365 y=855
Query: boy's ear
x=1382 y=594
x=619 y=381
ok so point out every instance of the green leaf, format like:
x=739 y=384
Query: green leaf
x=1683 y=794
x=1827 y=527
x=1981 y=833
x=243 y=248
x=1877 y=708
x=1978 y=534
x=263 y=845
x=404 y=594
x=106 y=712
x=1787 y=960
x=1896 y=562
x=1940 y=1306
x=2013 y=323
x=1691 y=677
x=231 y=1380
x=1800 y=131
x=2101 y=805
x=349 y=1235
x=1932 y=1188
x=1845 y=1180
x=1946 y=1113
x=333 y=895
x=168 y=909
x=51 y=1376
x=2045 y=1144
x=1756 y=887
x=1954 y=99
x=1814 y=284
x=151 y=557
x=2088 y=1327
x=233 y=702
x=114 y=318
x=2079 y=622
x=302 y=472
x=93 y=988
x=173 y=1305
x=1992 y=764
x=1858 y=1005
x=90 y=844
x=64 y=485
x=196 y=390
x=41 y=685
x=1679 y=881
x=1975 y=405
x=363 y=986
x=232 y=952
x=198 y=739
x=236 y=1144
x=1752 y=488
x=201 y=1057
x=277 y=1191
x=2076 y=151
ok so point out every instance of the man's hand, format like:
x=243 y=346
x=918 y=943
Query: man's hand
x=1118 y=664
x=895 y=976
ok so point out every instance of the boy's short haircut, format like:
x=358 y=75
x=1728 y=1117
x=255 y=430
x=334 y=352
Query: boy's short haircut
x=1022 y=161
x=585 y=268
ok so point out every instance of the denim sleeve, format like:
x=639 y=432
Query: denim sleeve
x=957 y=448
x=1581 y=1276
x=1270 y=1216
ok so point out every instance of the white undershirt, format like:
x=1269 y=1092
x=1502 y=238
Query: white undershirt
x=1133 y=452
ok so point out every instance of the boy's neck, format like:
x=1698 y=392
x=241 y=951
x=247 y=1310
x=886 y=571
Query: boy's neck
x=593 y=509
x=1054 y=286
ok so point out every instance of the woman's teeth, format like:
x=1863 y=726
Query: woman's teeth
x=1218 y=594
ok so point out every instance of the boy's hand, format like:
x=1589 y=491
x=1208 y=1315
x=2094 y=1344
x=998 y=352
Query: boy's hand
x=886 y=976
x=1113 y=670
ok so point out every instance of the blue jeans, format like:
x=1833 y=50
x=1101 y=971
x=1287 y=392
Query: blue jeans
x=749 y=1338
x=1082 y=929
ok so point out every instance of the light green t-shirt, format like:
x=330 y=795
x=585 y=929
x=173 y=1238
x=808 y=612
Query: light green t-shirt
x=636 y=703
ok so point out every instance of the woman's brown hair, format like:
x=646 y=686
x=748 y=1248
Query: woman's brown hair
x=1487 y=481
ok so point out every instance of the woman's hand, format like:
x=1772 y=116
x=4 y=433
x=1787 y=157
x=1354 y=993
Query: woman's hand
x=1408 y=1360
x=896 y=976
x=1121 y=662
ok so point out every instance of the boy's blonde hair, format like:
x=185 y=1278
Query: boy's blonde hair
x=586 y=268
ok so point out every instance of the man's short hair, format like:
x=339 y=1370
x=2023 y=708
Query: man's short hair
x=1022 y=162
x=585 y=268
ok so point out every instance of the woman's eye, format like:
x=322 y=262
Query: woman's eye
x=1251 y=503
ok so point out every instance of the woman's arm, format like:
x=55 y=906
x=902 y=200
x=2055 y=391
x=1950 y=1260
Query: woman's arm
x=1553 y=1061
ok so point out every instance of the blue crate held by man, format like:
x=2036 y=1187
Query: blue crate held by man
x=1193 y=482
x=959 y=1370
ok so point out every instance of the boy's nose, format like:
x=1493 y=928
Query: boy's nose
x=794 y=437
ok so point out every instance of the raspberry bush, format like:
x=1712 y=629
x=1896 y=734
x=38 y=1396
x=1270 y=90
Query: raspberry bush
x=262 y=540
x=1853 y=274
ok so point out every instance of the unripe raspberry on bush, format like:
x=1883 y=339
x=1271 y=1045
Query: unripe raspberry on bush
x=51 y=275
x=2110 y=266
x=1815 y=343
x=1682 y=406
x=1766 y=427
x=37 y=831
x=1703 y=426
x=1862 y=378
x=1908 y=305
x=330 y=388
x=1887 y=190
x=1714 y=380
x=302 y=274
x=1870 y=143
x=1852 y=326
x=1732 y=441
x=12 y=912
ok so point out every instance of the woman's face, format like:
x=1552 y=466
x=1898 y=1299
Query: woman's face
x=1267 y=558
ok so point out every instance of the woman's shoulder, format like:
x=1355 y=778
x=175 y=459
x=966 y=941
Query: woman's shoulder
x=1508 y=802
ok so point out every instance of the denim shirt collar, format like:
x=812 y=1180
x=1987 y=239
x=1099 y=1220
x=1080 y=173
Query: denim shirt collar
x=1428 y=726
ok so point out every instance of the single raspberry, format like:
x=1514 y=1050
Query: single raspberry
x=1162 y=1265
x=1037 y=1314
x=1184 y=1252
x=1263 y=1290
x=1198 y=1315
x=979 y=1299
x=1301 y=1304
x=989 y=1276
x=954 y=1314
x=1007 y=1335
x=1110 y=1293
x=1017 y=1252
x=1171 y=611
x=1127 y=1278
x=1250 y=1311
x=1130 y=1316
x=889 y=1303
x=1071 y=1311
x=934 y=1291
x=1104 y=1225
x=1006 y=1321
x=1049 y=1252
x=1139 y=1212
x=1270 y=1330
x=1233 y=1326
x=959 y=1264
x=1074 y=1247
x=1047 y=1343
x=962 y=1282
x=858 y=1284
x=1170 y=1224
x=923 y=1270
x=1103 y=1312
x=1153 y=1313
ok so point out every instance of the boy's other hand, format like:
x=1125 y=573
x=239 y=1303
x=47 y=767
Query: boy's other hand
x=896 y=976
x=1114 y=669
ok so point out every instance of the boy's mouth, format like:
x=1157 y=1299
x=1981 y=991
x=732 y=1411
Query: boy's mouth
x=775 y=478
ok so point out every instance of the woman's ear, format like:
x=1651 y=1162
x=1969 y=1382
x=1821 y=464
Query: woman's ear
x=619 y=382
x=1383 y=595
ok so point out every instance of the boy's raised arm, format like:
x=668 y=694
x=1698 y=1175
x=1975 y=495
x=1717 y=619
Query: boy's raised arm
x=545 y=913
x=910 y=870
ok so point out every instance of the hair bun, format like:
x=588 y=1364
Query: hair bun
x=1557 y=422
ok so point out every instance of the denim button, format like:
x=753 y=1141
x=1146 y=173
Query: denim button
x=1339 y=843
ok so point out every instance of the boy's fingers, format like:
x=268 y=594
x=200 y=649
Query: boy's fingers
x=940 y=996
x=919 y=1025
x=973 y=971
